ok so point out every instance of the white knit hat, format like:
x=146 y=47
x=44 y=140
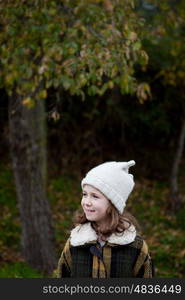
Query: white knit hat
x=113 y=180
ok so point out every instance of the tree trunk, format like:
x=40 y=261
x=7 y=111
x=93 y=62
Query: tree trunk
x=28 y=149
x=176 y=199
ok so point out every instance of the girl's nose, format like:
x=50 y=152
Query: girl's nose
x=88 y=201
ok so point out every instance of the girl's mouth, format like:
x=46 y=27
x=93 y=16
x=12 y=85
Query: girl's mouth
x=89 y=210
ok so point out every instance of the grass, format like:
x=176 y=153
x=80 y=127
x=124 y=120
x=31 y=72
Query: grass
x=18 y=270
x=163 y=232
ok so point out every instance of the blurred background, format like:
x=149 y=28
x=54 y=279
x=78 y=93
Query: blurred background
x=81 y=83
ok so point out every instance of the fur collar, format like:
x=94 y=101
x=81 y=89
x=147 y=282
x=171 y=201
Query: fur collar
x=84 y=233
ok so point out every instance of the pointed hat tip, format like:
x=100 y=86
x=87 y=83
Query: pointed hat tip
x=131 y=163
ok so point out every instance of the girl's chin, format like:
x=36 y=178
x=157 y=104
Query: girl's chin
x=90 y=218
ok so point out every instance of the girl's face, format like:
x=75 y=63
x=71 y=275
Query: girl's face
x=94 y=204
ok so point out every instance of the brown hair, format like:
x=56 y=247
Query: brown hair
x=115 y=222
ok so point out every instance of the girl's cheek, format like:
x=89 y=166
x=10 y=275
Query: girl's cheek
x=83 y=202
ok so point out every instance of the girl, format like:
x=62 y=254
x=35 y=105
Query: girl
x=104 y=242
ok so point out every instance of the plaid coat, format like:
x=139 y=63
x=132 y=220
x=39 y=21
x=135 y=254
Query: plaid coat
x=122 y=256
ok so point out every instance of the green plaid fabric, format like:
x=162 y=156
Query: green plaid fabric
x=114 y=261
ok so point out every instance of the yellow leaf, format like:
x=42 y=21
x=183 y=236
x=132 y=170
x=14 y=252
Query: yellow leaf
x=42 y=94
x=28 y=102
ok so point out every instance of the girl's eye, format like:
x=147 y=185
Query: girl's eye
x=95 y=196
x=84 y=194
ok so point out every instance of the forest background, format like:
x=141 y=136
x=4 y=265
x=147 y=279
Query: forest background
x=83 y=82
